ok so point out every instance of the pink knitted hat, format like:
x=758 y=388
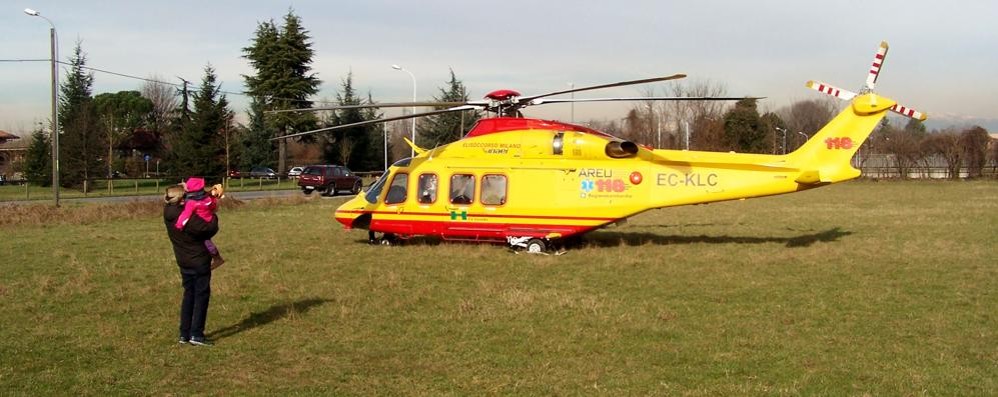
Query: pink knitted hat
x=194 y=184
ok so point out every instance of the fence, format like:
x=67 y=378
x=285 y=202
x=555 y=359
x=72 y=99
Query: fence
x=883 y=166
x=130 y=187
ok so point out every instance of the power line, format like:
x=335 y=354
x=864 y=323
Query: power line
x=242 y=93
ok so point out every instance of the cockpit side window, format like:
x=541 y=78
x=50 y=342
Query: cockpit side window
x=397 y=190
x=462 y=188
x=427 y=188
x=375 y=190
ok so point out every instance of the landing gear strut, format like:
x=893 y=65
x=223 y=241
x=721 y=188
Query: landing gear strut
x=387 y=239
x=532 y=245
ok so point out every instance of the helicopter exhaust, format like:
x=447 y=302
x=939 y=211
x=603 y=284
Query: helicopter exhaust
x=621 y=149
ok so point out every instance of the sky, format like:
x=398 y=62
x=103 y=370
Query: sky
x=942 y=59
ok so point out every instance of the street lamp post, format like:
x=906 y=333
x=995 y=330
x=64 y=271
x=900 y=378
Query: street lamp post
x=806 y=137
x=412 y=152
x=784 y=131
x=53 y=44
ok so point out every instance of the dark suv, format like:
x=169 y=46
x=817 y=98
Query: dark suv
x=328 y=179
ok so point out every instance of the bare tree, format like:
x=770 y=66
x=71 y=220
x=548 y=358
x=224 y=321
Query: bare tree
x=946 y=144
x=164 y=102
x=975 y=141
x=806 y=117
x=904 y=146
x=702 y=117
x=993 y=156
x=611 y=127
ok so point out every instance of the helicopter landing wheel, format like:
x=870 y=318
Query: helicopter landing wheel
x=536 y=246
x=388 y=240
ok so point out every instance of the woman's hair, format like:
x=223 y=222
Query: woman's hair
x=173 y=194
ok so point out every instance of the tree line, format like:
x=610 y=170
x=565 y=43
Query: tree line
x=715 y=126
x=191 y=129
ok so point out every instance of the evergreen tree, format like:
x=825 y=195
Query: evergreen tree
x=180 y=120
x=38 y=159
x=283 y=80
x=742 y=128
x=257 y=148
x=377 y=144
x=448 y=127
x=353 y=147
x=198 y=148
x=80 y=146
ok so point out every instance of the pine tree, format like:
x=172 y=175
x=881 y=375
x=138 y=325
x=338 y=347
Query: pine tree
x=180 y=120
x=353 y=147
x=257 y=148
x=38 y=159
x=283 y=79
x=448 y=127
x=198 y=148
x=743 y=129
x=80 y=146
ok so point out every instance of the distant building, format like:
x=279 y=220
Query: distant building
x=12 y=150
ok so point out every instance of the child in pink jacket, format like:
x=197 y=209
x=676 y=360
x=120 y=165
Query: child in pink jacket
x=198 y=202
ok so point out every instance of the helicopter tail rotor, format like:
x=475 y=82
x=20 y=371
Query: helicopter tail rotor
x=871 y=81
x=878 y=62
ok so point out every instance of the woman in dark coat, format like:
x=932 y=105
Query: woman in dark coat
x=194 y=261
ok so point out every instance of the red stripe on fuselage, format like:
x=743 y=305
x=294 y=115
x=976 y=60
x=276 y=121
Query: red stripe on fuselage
x=482 y=214
x=473 y=230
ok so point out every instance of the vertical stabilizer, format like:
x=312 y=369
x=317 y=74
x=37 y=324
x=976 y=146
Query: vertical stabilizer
x=826 y=157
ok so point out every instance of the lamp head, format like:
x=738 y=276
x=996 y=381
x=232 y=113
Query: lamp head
x=31 y=12
x=396 y=67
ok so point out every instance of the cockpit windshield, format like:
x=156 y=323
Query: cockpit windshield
x=375 y=190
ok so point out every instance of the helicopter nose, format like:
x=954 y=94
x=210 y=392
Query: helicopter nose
x=352 y=218
x=354 y=214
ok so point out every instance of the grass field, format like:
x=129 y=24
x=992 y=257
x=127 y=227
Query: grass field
x=863 y=288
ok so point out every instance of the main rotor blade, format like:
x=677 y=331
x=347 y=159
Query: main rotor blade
x=380 y=105
x=647 y=98
x=361 y=123
x=595 y=87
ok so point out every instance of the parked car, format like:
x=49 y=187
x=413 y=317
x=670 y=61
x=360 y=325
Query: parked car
x=329 y=179
x=262 y=172
x=255 y=172
x=295 y=172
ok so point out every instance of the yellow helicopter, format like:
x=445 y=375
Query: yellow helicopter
x=533 y=183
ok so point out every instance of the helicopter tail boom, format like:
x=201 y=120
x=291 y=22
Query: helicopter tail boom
x=826 y=157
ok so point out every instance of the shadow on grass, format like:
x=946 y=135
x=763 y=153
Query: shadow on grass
x=273 y=313
x=613 y=239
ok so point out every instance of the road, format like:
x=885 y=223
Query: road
x=250 y=195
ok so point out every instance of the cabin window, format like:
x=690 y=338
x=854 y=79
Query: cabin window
x=494 y=189
x=397 y=190
x=462 y=188
x=427 y=188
